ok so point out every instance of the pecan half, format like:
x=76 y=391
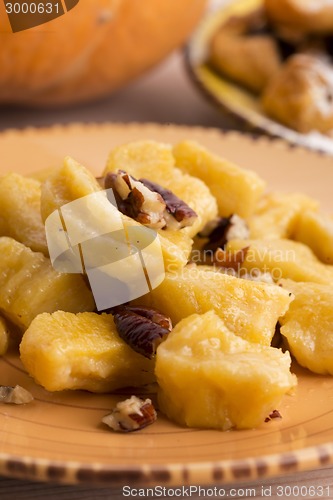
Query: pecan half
x=142 y=328
x=130 y=415
x=178 y=213
x=152 y=314
x=222 y=230
x=135 y=200
x=14 y=395
x=148 y=202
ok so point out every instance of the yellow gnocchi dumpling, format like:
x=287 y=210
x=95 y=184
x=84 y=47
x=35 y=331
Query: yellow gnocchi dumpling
x=308 y=325
x=315 y=229
x=209 y=377
x=236 y=190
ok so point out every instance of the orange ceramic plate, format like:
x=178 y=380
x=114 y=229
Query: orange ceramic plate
x=231 y=98
x=59 y=436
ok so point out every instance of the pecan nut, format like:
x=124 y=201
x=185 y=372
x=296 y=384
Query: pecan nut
x=142 y=328
x=220 y=231
x=130 y=415
x=153 y=315
x=178 y=214
x=148 y=202
x=135 y=200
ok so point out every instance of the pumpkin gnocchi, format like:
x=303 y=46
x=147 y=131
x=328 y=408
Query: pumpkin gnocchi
x=238 y=262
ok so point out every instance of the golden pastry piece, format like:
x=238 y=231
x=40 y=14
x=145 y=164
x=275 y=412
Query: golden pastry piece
x=301 y=95
x=302 y=16
x=244 y=53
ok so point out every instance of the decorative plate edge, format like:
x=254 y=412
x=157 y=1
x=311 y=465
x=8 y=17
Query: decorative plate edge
x=203 y=473
x=253 y=134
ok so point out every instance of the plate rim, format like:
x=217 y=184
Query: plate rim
x=251 y=135
x=217 y=472
x=226 y=471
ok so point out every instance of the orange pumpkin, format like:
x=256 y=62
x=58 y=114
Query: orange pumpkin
x=91 y=50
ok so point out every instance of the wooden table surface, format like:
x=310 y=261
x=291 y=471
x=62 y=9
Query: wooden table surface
x=164 y=96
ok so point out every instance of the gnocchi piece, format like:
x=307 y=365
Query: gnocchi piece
x=282 y=259
x=68 y=183
x=250 y=309
x=4 y=336
x=29 y=285
x=236 y=190
x=81 y=351
x=209 y=377
x=308 y=325
x=277 y=215
x=20 y=218
x=315 y=230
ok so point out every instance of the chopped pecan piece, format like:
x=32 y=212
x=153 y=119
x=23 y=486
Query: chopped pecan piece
x=14 y=395
x=178 y=214
x=222 y=230
x=274 y=414
x=215 y=231
x=143 y=329
x=135 y=200
x=132 y=414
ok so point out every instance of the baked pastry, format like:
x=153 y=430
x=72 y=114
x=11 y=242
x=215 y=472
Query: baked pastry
x=245 y=53
x=301 y=95
x=296 y=17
